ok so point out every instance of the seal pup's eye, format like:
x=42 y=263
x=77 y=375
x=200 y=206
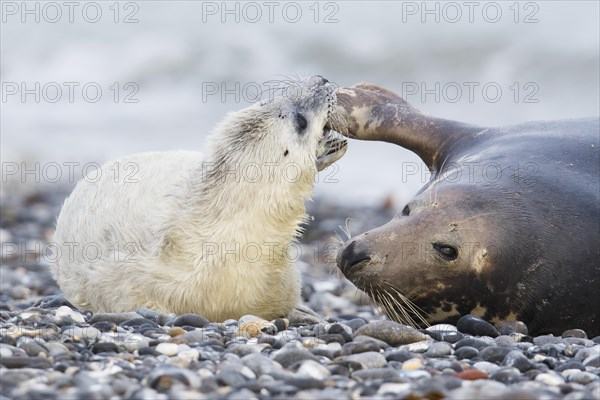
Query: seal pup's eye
x=301 y=121
x=447 y=252
x=406 y=210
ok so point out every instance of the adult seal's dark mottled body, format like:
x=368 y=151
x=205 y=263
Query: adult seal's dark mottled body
x=507 y=228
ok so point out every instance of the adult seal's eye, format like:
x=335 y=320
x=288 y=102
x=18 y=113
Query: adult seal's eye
x=447 y=252
x=301 y=122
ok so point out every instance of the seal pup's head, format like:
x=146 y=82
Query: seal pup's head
x=283 y=138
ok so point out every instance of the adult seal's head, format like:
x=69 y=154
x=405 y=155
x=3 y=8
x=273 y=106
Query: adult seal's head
x=507 y=227
x=208 y=233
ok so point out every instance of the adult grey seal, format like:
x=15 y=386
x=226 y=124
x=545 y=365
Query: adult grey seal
x=203 y=233
x=506 y=229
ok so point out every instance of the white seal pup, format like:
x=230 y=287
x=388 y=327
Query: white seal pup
x=203 y=233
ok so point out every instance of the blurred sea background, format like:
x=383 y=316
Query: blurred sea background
x=178 y=50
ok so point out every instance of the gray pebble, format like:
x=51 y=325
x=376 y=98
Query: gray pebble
x=312 y=369
x=260 y=364
x=575 y=333
x=231 y=378
x=592 y=361
x=33 y=348
x=438 y=349
x=547 y=339
x=477 y=343
x=393 y=333
x=105 y=347
x=474 y=325
x=361 y=347
x=510 y=327
x=194 y=320
x=362 y=360
x=516 y=359
x=494 y=354
x=399 y=356
x=292 y=353
x=506 y=375
x=26 y=362
x=466 y=352
x=583 y=378
x=570 y=365
x=355 y=323
x=115 y=318
x=148 y=314
x=384 y=374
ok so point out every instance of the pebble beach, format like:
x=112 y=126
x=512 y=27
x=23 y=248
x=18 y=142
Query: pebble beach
x=49 y=349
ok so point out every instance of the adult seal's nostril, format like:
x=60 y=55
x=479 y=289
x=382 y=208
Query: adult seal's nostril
x=351 y=256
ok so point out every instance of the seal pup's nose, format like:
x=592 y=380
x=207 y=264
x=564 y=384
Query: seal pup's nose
x=350 y=256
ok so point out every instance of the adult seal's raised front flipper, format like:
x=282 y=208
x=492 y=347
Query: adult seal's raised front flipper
x=507 y=227
x=369 y=112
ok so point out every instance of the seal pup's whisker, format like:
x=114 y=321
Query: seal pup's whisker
x=347 y=230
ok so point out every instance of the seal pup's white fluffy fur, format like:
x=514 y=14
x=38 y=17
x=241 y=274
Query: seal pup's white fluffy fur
x=206 y=234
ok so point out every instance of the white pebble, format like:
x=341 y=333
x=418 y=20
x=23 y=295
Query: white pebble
x=5 y=352
x=550 y=379
x=64 y=311
x=419 y=347
x=313 y=369
x=168 y=349
x=442 y=328
x=189 y=355
x=134 y=342
x=487 y=367
x=567 y=372
x=393 y=388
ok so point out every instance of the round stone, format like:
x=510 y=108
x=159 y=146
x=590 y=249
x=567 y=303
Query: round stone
x=494 y=354
x=383 y=374
x=466 y=352
x=291 y=354
x=438 y=349
x=391 y=332
x=506 y=375
x=511 y=327
x=516 y=359
x=312 y=369
x=195 y=320
x=550 y=379
x=412 y=364
x=592 y=361
x=474 y=325
x=583 y=377
x=63 y=312
x=471 y=374
x=574 y=333
x=362 y=360
x=105 y=347
x=168 y=349
x=476 y=343
x=570 y=365
x=398 y=355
